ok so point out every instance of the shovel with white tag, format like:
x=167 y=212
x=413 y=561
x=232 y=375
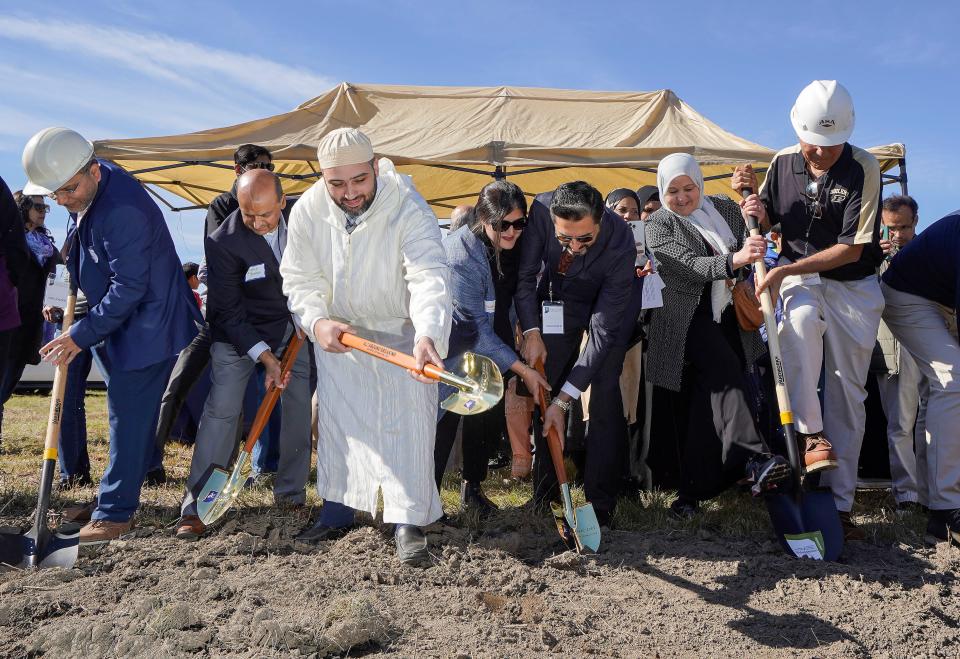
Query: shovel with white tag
x=806 y=520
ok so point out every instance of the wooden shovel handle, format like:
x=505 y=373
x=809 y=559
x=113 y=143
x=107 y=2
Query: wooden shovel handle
x=273 y=393
x=388 y=355
x=52 y=439
x=553 y=437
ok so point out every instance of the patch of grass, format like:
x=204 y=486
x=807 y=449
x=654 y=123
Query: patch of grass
x=734 y=514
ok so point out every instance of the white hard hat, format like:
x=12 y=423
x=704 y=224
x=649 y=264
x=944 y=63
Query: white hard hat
x=823 y=114
x=52 y=157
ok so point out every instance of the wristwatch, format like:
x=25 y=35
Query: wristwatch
x=564 y=405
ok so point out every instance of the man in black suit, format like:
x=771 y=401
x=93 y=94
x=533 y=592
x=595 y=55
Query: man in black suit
x=589 y=284
x=250 y=323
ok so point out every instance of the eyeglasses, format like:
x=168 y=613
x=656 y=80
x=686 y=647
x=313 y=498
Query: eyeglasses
x=41 y=208
x=68 y=191
x=269 y=166
x=64 y=192
x=502 y=225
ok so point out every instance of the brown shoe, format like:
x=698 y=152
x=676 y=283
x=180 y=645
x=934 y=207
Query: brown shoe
x=817 y=452
x=851 y=531
x=100 y=531
x=190 y=528
x=79 y=512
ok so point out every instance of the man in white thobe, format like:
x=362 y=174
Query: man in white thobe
x=364 y=255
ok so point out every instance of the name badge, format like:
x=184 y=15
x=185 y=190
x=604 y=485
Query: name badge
x=553 y=317
x=490 y=306
x=255 y=272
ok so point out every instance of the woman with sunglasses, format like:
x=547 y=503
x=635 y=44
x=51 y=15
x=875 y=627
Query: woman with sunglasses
x=697 y=348
x=484 y=266
x=31 y=287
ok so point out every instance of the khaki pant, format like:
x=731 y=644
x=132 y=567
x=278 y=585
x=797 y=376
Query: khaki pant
x=900 y=397
x=831 y=325
x=924 y=331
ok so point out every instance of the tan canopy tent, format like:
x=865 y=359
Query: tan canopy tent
x=454 y=140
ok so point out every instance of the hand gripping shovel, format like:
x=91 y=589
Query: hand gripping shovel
x=39 y=547
x=217 y=493
x=806 y=521
x=478 y=382
x=579 y=527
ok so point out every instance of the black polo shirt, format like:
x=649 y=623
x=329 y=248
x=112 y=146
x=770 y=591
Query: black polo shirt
x=849 y=199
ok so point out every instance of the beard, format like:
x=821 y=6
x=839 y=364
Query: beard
x=363 y=208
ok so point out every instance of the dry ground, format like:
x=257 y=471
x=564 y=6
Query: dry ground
x=715 y=587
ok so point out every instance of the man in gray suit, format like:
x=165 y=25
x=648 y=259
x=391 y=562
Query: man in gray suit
x=589 y=284
x=250 y=324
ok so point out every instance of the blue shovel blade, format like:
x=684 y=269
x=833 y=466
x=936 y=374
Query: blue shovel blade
x=53 y=550
x=61 y=550
x=813 y=520
x=587 y=528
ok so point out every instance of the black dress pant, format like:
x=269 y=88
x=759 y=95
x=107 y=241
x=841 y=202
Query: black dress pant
x=481 y=434
x=187 y=370
x=606 y=435
x=720 y=431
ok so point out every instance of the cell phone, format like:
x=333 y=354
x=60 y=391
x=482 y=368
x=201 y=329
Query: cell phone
x=884 y=232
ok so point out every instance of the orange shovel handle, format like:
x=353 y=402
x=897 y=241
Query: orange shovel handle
x=553 y=437
x=270 y=399
x=388 y=355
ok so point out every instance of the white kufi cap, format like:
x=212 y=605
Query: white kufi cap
x=344 y=146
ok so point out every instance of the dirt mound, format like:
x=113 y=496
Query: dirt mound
x=507 y=589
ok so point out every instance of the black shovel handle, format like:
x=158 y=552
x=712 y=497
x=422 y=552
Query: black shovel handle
x=776 y=359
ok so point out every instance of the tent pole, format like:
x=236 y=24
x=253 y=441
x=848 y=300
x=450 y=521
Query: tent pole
x=903 y=175
x=499 y=173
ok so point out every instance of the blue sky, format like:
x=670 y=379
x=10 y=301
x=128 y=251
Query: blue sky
x=154 y=68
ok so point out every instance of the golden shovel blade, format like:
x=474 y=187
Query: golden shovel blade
x=479 y=385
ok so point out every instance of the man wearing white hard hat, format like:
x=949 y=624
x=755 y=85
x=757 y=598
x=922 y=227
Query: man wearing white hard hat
x=364 y=255
x=825 y=193
x=141 y=310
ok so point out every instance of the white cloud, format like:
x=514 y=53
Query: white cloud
x=184 y=63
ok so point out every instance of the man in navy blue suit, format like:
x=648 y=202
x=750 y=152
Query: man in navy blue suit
x=141 y=310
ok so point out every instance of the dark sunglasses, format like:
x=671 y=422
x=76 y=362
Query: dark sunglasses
x=502 y=225
x=585 y=239
x=259 y=165
x=43 y=208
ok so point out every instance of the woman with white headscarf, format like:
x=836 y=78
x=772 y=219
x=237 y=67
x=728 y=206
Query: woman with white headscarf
x=697 y=349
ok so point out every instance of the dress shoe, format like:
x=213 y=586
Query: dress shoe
x=190 y=528
x=101 y=531
x=943 y=525
x=851 y=531
x=77 y=480
x=472 y=498
x=816 y=452
x=320 y=532
x=156 y=477
x=684 y=509
x=411 y=545
x=766 y=472
x=80 y=512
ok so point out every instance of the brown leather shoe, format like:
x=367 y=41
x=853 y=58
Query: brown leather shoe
x=190 y=528
x=100 y=531
x=850 y=530
x=79 y=512
x=817 y=452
